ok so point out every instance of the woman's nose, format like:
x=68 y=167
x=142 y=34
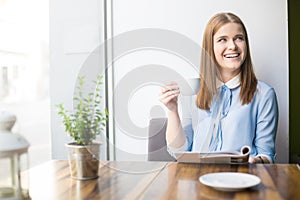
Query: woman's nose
x=231 y=44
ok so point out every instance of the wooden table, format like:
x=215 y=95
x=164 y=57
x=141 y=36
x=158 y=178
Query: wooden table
x=160 y=180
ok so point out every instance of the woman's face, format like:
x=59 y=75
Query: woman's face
x=230 y=49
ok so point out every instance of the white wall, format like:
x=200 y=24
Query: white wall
x=266 y=22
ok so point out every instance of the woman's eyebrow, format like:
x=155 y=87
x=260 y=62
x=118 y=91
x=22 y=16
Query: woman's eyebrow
x=240 y=34
x=221 y=36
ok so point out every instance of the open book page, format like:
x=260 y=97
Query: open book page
x=215 y=157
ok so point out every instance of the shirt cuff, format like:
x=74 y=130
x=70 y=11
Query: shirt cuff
x=173 y=150
x=182 y=148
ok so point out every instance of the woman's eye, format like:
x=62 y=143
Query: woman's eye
x=222 y=40
x=240 y=38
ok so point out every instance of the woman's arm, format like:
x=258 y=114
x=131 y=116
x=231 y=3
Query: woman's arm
x=175 y=136
x=266 y=127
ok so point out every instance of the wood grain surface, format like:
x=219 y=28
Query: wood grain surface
x=160 y=180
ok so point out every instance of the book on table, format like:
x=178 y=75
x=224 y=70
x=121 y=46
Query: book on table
x=215 y=157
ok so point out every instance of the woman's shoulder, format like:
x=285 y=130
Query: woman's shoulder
x=264 y=88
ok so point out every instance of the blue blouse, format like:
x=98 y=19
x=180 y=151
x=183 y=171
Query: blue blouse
x=254 y=124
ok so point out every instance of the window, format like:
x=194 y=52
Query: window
x=24 y=64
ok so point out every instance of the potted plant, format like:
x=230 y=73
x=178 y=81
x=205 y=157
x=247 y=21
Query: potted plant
x=83 y=124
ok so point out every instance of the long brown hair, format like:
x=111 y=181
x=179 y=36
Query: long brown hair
x=209 y=68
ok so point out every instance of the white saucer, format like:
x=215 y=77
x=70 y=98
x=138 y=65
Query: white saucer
x=229 y=181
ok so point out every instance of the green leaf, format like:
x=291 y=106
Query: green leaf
x=86 y=121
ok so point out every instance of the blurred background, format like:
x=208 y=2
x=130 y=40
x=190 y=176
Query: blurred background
x=24 y=71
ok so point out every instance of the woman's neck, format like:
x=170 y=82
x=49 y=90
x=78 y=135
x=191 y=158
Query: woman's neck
x=228 y=76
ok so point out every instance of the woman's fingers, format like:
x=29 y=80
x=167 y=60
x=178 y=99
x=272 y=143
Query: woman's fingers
x=170 y=87
x=169 y=95
x=169 y=91
x=251 y=160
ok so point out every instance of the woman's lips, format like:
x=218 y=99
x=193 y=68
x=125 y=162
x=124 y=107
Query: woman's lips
x=231 y=55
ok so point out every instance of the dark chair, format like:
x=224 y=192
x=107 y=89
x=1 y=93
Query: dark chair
x=157 y=146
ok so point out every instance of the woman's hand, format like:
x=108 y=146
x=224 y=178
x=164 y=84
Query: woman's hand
x=259 y=159
x=169 y=96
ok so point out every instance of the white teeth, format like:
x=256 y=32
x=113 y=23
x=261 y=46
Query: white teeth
x=231 y=55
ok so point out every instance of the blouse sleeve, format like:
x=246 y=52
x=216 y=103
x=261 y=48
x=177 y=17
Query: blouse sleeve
x=187 y=120
x=266 y=128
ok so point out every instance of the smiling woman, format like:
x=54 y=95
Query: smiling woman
x=232 y=107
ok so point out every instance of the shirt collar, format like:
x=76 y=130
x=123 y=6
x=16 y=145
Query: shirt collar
x=232 y=83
